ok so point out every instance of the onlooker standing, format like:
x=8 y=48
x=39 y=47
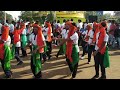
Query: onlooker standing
x=79 y=24
x=117 y=35
x=111 y=34
x=108 y=25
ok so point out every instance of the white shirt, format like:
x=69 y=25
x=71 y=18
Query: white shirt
x=44 y=33
x=105 y=39
x=26 y=23
x=97 y=35
x=24 y=31
x=63 y=33
x=33 y=39
x=11 y=28
x=75 y=38
x=18 y=44
x=84 y=32
x=90 y=34
x=58 y=24
x=80 y=25
x=85 y=25
x=91 y=24
x=8 y=41
x=66 y=34
x=63 y=25
x=108 y=27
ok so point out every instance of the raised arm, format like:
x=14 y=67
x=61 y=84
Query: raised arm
x=21 y=30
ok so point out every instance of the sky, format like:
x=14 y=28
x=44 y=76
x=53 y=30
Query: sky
x=112 y=12
x=15 y=14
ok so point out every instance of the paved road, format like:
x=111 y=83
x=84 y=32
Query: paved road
x=58 y=69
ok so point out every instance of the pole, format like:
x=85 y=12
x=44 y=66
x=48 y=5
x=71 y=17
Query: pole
x=55 y=15
x=5 y=17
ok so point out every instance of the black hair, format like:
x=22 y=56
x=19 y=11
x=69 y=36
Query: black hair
x=64 y=20
x=79 y=20
x=24 y=21
x=71 y=19
x=68 y=20
x=13 y=22
x=103 y=24
x=27 y=25
x=18 y=26
x=58 y=21
x=74 y=24
x=37 y=22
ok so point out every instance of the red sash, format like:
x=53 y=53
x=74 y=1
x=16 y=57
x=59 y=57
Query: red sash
x=101 y=40
x=2 y=51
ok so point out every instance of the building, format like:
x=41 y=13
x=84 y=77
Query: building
x=60 y=15
x=75 y=15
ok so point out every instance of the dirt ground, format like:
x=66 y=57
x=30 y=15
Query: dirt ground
x=57 y=68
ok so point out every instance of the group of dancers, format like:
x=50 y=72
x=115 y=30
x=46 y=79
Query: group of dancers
x=41 y=38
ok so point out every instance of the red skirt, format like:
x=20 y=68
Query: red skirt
x=2 y=51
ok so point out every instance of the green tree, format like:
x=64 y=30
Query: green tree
x=106 y=16
x=50 y=17
x=26 y=15
x=89 y=13
x=8 y=16
x=33 y=16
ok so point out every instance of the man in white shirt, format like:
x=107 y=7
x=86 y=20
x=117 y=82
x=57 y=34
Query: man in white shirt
x=11 y=26
x=85 y=25
x=58 y=23
x=90 y=44
x=26 y=23
x=100 y=49
x=79 y=24
x=63 y=24
x=84 y=43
